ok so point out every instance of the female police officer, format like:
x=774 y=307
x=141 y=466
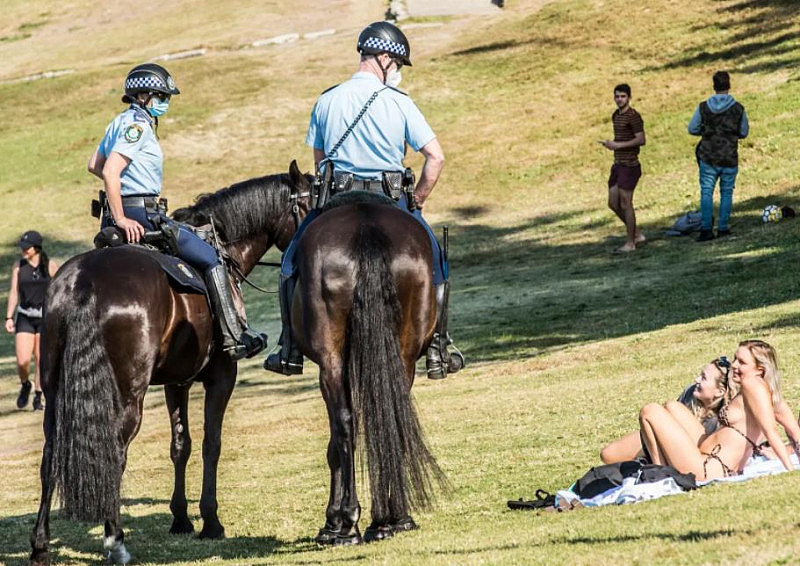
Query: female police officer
x=129 y=161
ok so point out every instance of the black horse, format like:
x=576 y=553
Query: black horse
x=114 y=326
x=364 y=309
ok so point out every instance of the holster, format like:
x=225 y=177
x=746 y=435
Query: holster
x=393 y=184
x=321 y=189
x=99 y=204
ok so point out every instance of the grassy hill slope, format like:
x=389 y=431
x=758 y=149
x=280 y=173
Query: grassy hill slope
x=565 y=340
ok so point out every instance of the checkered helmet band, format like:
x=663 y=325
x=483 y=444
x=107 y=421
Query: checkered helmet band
x=148 y=82
x=379 y=44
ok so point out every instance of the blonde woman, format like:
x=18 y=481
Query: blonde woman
x=709 y=391
x=672 y=438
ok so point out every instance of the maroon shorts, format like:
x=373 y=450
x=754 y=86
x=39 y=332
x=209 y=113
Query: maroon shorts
x=624 y=176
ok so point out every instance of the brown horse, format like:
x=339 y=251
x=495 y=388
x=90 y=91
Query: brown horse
x=364 y=309
x=113 y=326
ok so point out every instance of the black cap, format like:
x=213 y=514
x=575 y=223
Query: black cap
x=29 y=239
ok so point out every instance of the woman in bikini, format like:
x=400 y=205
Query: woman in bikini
x=710 y=391
x=674 y=437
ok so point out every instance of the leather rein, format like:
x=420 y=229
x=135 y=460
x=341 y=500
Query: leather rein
x=295 y=208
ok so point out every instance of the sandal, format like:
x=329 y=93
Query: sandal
x=543 y=499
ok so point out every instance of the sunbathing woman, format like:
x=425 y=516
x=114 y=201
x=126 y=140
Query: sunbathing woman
x=709 y=392
x=674 y=437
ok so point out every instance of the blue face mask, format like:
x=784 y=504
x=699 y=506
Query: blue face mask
x=159 y=107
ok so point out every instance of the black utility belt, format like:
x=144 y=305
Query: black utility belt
x=391 y=184
x=140 y=201
x=151 y=203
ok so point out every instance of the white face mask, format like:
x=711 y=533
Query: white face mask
x=393 y=78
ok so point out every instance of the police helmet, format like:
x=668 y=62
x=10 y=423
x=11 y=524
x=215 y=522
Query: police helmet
x=150 y=78
x=384 y=37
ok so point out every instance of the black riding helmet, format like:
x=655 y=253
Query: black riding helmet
x=383 y=37
x=150 y=78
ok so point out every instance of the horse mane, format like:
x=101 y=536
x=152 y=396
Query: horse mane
x=242 y=209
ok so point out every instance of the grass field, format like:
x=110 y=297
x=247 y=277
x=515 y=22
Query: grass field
x=565 y=341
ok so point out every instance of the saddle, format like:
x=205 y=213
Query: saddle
x=158 y=245
x=357 y=197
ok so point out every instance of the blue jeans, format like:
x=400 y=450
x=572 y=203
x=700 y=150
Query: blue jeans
x=708 y=180
x=441 y=268
x=191 y=248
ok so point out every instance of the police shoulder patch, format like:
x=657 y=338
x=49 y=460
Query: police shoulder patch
x=133 y=133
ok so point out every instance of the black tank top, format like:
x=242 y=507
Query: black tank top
x=32 y=284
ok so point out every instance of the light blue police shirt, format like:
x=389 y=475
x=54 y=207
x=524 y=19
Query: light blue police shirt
x=131 y=134
x=377 y=143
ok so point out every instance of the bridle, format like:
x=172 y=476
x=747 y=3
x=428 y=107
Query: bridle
x=294 y=207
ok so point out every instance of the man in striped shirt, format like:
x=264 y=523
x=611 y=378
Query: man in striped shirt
x=626 y=170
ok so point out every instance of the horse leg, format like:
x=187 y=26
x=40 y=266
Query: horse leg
x=343 y=499
x=177 y=397
x=113 y=536
x=40 y=537
x=333 y=520
x=219 y=379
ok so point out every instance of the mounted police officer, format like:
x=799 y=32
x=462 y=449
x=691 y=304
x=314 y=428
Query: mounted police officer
x=129 y=161
x=359 y=131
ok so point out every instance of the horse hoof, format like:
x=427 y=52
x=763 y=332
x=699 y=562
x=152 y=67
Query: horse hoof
x=181 y=527
x=39 y=558
x=404 y=525
x=326 y=536
x=212 y=532
x=348 y=540
x=375 y=534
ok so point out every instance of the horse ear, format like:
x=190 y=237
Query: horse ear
x=299 y=181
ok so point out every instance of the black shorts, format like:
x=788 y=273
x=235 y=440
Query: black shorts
x=27 y=324
x=624 y=176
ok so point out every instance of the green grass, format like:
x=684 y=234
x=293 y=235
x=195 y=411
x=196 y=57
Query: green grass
x=564 y=340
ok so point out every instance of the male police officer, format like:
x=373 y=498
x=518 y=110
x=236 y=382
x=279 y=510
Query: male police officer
x=360 y=129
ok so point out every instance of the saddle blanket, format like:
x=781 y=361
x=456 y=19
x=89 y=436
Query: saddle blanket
x=180 y=273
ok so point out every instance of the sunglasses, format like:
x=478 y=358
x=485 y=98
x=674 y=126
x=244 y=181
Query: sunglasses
x=161 y=96
x=723 y=365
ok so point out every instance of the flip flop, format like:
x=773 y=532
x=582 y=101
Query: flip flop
x=543 y=499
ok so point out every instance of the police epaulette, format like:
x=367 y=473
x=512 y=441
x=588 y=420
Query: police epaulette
x=330 y=88
x=404 y=93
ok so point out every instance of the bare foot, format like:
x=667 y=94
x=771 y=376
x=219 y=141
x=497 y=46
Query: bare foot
x=627 y=248
x=640 y=239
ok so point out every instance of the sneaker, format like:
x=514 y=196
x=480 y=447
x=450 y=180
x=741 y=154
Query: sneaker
x=37 y=401
x=24 y=394
x=723 y=233
x=705 y=235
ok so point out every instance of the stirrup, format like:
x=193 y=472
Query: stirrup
x=284 y=367
x=249 y=344
x=442 y=357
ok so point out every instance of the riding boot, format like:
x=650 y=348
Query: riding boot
x=288 y=360
x=239 y=340
x=442 y=357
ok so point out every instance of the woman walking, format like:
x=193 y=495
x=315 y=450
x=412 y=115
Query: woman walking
x=29 y=280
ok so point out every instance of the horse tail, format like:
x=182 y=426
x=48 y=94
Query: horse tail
x=399 y=463
x=88 y=452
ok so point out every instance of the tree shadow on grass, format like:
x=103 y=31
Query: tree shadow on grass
x=690 y=536
x=761 y=42
x=516 y=293
x=147 y=539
